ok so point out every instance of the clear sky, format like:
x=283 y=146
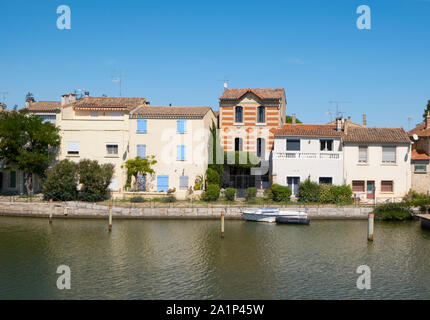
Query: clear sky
x=179 y=51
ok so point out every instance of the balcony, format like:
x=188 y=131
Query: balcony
x=307 y=155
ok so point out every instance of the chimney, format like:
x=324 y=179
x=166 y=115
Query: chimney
x=428 y=120
x=339 y=124
x=86 y=94
x=68 y=98
x=364 y=120
x=293 y=118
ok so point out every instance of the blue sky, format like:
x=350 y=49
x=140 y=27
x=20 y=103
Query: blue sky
x=179 y=51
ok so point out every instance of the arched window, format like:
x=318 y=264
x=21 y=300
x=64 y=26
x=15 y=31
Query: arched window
x=261 y=147
x=239 y=114
x=238 y=144
x=261 y=114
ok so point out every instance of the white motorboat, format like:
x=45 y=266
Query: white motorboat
x=271 y=215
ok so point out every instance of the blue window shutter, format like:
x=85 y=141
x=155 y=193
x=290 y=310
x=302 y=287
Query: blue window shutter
x=141 y=126
x=182 y=152
x=178 y=153
x=141 y=150
x=181 y=124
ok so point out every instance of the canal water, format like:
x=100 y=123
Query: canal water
x=186 y=259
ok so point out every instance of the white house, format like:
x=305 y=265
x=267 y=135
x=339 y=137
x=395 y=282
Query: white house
x=303 y=151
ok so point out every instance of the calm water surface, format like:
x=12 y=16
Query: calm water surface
x=184 y=259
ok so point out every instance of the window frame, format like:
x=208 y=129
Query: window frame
x=144 y=124
x=184 y=126
x=395 y=155
x=261 y=118
x=181 y=152
x=73 y=152
x=261 y=144
x=420 y=165
x=325 y=142
x=182 y=187
x=240 y=140
x=137 y=150
x=112 y=144
x=293 y=141
x=367 y=154
x=236 y=109
x=392 y=186
x=364 y=186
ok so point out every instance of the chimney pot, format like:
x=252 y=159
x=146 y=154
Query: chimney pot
x=428 y=120
x=87 y=94
x=293 y=118
x=339 y=124
x=364 y=120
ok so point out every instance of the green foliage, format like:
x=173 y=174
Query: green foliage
x=289 y=119
x=280 y=193
x=212 y=193
x=312 y=192
x=212 y=177
x=170 y=198
x=309 y=191
x=216 y=152
x=250 y=193
x=138 y=166
x=268 y=194
x=427 y=109
x=137 y=199
x=198 y=183
x=27 y=144
x=230 y=193
x=95 y=180
x=393 y=211
x=241 y=159
x=419 y=199
x=61 y=182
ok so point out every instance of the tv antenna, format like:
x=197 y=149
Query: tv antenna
x=225 y=81
x=118 y=79
x=339 y=112
x=409 y=122
x=4 y=95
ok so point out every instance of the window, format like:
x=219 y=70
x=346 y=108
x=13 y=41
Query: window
x=141 y=126
x=94 y=115
x=293 y=184
x=238 y=145
x=260 y=147
x=261 y=114
x=72 y=148
x=420 y=168
x=180 y=153
x=12 y=179
x=111 y=148
x=326 y=145
x=362 y=154
x=183 y=182
x=116 y=115
x=51 y=118
x=141 y=150
x=293 y=145
x=326 y=180
x=386 y=186
x=389 y=154
x=181 y=126
x=239 y=114
x=358 y=186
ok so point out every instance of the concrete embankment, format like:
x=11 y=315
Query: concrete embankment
x=88 y=210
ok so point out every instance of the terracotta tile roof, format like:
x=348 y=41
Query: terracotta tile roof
x=108 y=103
x=171 y=112
x=419 y=155
x=376 y=135
x=308 y=130
x=420 y=131
x=236 y=93
x=46 y=106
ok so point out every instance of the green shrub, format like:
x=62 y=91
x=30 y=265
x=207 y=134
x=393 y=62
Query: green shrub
x=61 y=180
x=268 y=194
x=281 y=193
x=326 y=194
x=212 y=177
x=309 y=191
x=170 y=198
x=393 y=211
x=342 y=194
x=95 y=179
x=212 y=193
x=137 y=199
x=230 y=193
x=250 y=193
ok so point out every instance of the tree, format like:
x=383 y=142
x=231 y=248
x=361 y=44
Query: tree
x=242 y=159
x=426 y=110
x=27 y=144
x=289 y=119
x=61 y=181
x=95 y=179
x=216 y=152
x=137 y=166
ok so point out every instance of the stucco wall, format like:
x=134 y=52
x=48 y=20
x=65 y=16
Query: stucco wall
x=420 y=181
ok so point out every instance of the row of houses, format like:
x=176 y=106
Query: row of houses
x=378 y=163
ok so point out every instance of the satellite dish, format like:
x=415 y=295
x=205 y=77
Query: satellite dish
x=415 y=136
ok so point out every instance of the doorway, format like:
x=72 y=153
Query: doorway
x=370 y=190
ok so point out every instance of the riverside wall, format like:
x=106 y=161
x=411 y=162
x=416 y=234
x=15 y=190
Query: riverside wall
x=89 y=210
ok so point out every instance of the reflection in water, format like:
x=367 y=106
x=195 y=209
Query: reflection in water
x=184 y=259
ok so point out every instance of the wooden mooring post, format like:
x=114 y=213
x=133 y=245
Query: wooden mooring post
x=222 y=223
x=51 y=207
x=371 y=219
x=110 y=217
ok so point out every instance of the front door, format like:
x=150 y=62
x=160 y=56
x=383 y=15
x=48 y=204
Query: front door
x=370 y=191
x=293 y=183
